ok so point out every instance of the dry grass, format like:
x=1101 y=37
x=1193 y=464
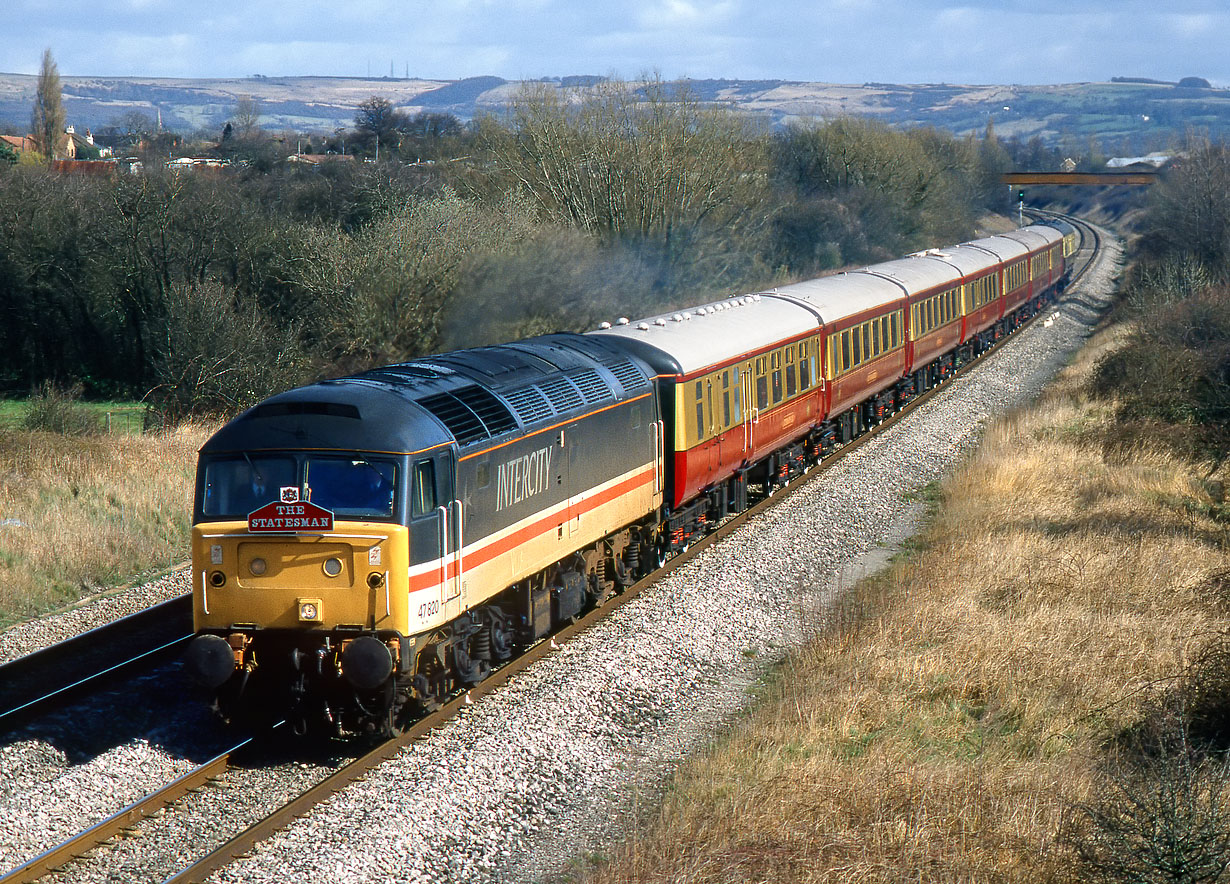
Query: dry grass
x=942 y=726
x=85 y=513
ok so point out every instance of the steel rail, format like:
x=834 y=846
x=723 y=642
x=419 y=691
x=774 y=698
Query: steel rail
x=86 y=840
x=31 y=683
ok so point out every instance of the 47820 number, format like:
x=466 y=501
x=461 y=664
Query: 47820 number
x=429 y=609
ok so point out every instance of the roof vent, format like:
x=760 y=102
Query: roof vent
x=660 y=321
x=687 y=316
x=623 y=320
x=677 y=318
x=644 y=326
x=470 y=413
x=604 y=326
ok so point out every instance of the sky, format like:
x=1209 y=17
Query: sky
x=835 y=41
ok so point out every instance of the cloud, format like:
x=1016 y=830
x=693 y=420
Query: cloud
x=834 y=40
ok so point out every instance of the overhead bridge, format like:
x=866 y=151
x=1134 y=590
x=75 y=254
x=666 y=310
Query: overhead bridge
x=1086 y=179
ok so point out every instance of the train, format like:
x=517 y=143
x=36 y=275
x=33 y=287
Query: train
x=365 y=546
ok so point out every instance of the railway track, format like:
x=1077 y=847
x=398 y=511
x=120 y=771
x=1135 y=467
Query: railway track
x=57 y=675
x=243 y=842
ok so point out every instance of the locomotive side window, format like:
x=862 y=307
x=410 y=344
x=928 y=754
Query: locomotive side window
x=237 y=486
x=423 y=497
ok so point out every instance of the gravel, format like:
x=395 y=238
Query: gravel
x=559 y=763
x=34 y=635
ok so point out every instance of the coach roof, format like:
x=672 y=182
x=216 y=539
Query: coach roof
x=686 y=341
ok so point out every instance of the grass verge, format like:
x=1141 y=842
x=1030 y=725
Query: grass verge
x=946 y=721
x=79 y=514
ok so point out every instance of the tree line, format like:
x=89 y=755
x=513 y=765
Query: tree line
x=1172 y=378
x=206 y=291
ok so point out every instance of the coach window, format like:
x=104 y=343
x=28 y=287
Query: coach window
x=700 y=411
x=725 y=399
x=423 y=500
x=845 y=351
x=738 y=399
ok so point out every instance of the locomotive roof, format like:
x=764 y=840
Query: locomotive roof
x=685 y=341
x=465 y=396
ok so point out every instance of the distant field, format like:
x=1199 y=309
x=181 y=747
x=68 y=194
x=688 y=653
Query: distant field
x=113 y=417
x=1132 y=112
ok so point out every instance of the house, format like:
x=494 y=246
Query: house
x=20 y=143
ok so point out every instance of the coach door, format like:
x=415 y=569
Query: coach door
x=436 y=528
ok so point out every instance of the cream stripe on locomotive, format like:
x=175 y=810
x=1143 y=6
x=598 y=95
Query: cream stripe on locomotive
x=491 y=564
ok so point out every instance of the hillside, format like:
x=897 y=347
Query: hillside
x=1130 y=114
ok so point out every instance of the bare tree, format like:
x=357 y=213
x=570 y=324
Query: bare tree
x=377 y=121
x=247 y=116
x=47 y=118
x=623 y=159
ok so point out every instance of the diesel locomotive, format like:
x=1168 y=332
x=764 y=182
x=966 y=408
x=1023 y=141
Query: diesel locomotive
x=367 y=545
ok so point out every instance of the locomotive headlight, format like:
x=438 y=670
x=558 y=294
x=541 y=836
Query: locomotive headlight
x=309 y=610
x=333 y=567
x=257 y=567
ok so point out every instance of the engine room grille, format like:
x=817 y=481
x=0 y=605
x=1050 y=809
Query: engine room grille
x=470 y=413
x=627 y=374
x=562 y=395
x=591 y=385
x=530 y=404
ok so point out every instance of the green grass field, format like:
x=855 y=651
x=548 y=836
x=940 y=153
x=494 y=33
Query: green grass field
x=115 y=416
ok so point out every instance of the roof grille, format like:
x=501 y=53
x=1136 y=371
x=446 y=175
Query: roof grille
x=591 y=385
x=470 y=413
x=490 y=410
x=627 y=374
x=562 y=395
x=530 y=404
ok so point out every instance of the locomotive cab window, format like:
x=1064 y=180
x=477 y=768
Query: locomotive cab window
x=352 y=487
x=234 y=487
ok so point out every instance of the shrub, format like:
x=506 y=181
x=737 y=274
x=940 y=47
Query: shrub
x=55 y=409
